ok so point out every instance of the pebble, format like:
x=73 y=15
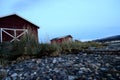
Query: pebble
x=14 y=75
x=54 y=60
x=66 y=67
x=71 y=77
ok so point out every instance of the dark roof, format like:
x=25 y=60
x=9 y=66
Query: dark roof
x=15 y=15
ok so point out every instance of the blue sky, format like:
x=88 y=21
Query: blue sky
x=83 y=19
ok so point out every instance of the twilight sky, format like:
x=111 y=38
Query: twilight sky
x=83 y=19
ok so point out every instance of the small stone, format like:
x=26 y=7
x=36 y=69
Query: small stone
x=38 y=61
x=96 y=73
x=107 y=64
x=103 y=69
x=56 y=70
x=54 y=60
x=59 y=59
x=26 y=74
x=76 y=57
x=14 y=75
x=98 y=64
x=46 y=61
x=117 y=57
x=95 y=66
x=80 y=72
x=83 y=69
x=109 y=75
x=33 y=60
x=117 y=74
x=38 y=78
x=8 y=78
x=35 y=73
x=90 y=78
x=84 y=54
x=71 y=77
x=20 y=75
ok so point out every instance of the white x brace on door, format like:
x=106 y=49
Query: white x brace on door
x=14 y=36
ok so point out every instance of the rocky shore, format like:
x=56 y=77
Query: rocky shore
x=80 y=66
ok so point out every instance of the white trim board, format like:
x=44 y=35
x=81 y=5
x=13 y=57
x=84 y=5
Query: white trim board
x=14 y=36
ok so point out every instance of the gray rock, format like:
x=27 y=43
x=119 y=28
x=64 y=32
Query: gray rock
x=38 y=61
x=66 y=67
x=71 y=77
x=8 y=78
x=14 y=75
x=54 y=61
x=103 y=69
x=81 y=72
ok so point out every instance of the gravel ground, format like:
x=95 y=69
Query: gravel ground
x=80 y=66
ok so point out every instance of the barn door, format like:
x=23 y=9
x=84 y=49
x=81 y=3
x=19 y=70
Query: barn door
x=7 y=34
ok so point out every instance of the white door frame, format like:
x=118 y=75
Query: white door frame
x=14 y=36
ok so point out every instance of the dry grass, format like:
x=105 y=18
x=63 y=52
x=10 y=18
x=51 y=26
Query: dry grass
x=29 y=47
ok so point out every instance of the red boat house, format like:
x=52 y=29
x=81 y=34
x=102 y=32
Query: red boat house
x=67 y=38
x=12 y=27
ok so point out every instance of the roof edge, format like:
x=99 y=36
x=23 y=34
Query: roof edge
x=21 y=18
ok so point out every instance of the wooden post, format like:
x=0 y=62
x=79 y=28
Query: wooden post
x=1 y=35
x=15 y=33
